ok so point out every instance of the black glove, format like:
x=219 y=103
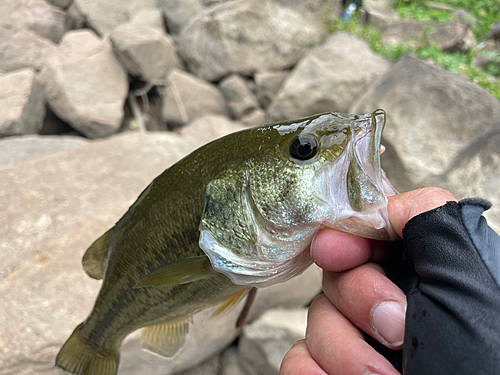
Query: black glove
x=450 y=272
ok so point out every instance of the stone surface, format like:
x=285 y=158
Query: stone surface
x=384 y=6
x=22 y=103
x=37 y=15
x=85 y=85
x=424 y=139
x=447 y=36
x=179 y=13
x=255 y=118
x=248 y=36
x=16 y=150
x=239 y=98
x=462 y=15
x=64 y=4
x=268 y=84
x=265 y=342
x=104 y=16
x=146 y=52
x=329 y=78
x=55 y=206
x=188 y=97
x=209 y=127
x=22 y=48
x=231 y=363
x=150 y=18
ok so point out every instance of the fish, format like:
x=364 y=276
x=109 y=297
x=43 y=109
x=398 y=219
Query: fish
x=238 y=213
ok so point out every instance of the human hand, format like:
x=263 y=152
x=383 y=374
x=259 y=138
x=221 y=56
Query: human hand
x=357 y=298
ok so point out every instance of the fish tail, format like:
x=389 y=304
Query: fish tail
x=78 y=357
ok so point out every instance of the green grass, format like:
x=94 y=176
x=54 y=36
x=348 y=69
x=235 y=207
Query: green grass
x=454 y=62
x=487 y=12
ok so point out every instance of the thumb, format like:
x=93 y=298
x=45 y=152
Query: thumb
x=403 y=207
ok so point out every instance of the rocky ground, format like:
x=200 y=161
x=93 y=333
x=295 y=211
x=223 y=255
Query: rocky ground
x=158 y=78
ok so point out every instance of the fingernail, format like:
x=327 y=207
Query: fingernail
x=388 y=320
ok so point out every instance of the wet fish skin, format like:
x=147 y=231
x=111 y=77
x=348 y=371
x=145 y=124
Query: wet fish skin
x=238 y=189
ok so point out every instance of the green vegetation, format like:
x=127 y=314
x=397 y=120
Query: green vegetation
x=487 y=13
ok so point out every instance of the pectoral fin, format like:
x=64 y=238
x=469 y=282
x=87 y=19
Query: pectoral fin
x=94 y=256
x=166 y=338
x=181 y=272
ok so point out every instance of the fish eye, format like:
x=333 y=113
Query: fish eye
x=304 y=147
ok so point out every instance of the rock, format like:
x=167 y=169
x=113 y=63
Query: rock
x=146 y=52
x=230 y=363
x=150 y=18
x=447 y=36
x=64 y=4
x=248 y=36
x=76 y=18
x=22 y=103
x=179 y=13
x=211 y=366
x=328 y=78
x=265 y=342
x=383 y=6
x=255 y=118
x=22 y=48
x=104 y=16
x=51 y=209
x=44 y=19
x=85 y=84
x=209 y=127
x=446 y=113
x=188 y=97
x=15 y=150
x=240 y=100
x=462 y=15
x=268 y=85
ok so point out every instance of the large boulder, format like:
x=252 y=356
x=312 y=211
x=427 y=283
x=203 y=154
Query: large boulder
x=85 y=85
x=268 y=85
x=22 y=103
x=146 y=51
x=188 y=97
x=328 y=78
x=104 y=16
x=265 y=342
x=22 y=48
x=53 y=207
x=432 y=116
x=248 y=36
x=179 y=13
x=37 y=15
x=16 y=150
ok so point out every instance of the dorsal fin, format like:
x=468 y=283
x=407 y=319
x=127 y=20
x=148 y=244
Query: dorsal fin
x=94 y=256
x=166 y=338
x=180 y=272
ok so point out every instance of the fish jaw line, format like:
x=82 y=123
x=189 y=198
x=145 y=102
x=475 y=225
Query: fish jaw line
x=354 y=188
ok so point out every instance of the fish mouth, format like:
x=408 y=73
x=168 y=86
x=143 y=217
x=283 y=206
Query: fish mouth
x=359 y=202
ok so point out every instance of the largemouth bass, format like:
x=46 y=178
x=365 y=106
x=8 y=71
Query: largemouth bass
x=237 y=213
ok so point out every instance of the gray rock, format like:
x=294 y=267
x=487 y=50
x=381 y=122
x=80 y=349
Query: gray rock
x=384 y=6
x=15 y=150
x=85 y=85
x=179 y=13
x=329 y=78
x=37 y=15
x=447 y=36
x=433 y=115
x=146 y=51
x=188 y=97
x=209 y=127
x=64 y=4
x=255 y=118
x=22 y=103
x=150 y=18
x=211 y=366
x=248 y=36
x=104 y=16
x=22 y=48
x=239 y=98
x=268 y=85
x=265 y=342
x=230 y=363
x=76 y=18
x=52 y=208
x=462 y=15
